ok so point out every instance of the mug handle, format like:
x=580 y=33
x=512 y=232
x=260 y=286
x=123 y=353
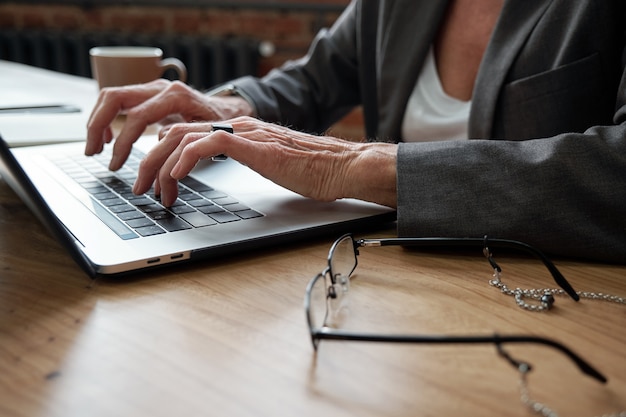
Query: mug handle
x=177 y=65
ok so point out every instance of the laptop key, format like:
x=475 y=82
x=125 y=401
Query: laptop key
x=121 y=208
x=197 y=219
x=141 y=201
x=149 y=230
x=130 y=215
x=211 y=209
x=159 y=214
x=93 y=186
x=200 y=202
x=195 y=184
x=98 y=190
x=213 y=194
x=249 y=214
x=115 y=201
x=224 y=217
x=140 y=222
x=236 y=207
x=173 y=224
x=151 y=208
x=103 y=195
x=181 y=209
x=188 y=196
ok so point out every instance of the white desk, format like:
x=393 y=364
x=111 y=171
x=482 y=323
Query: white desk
x=24 y=86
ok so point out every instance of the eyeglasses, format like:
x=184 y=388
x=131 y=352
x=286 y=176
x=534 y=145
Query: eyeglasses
x=328 y=289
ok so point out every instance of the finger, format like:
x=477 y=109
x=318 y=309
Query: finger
x=167 y=183
x=219 y=142
x=99 y=124
x=157 y=187
x=97 y=146
x=137 y=120
x=171 y=120
x=154 y=160
x=108 y=136
x=176 y=99
x=111 y=102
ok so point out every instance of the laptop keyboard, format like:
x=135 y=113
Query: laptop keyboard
x=132 y=216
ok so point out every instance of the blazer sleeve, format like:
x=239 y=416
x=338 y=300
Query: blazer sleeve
x=565 y=194
x=312 y=93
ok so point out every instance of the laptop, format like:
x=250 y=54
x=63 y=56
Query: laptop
x=223 y=208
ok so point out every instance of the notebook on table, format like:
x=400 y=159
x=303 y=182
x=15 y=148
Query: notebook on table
x=39 y=106
x=223 y=208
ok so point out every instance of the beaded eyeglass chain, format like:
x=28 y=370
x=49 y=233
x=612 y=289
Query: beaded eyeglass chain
x=542 y=299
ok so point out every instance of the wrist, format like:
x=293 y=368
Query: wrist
x=374 y=173
x=237 y=106
x=236 y=96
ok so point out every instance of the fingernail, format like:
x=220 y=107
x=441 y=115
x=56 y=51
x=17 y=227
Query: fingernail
x=115 y=162
x=90 y=149
x=174 y=171
x=165 y=200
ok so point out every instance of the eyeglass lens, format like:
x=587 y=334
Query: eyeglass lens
x=342 y=259
x=329 y=290
x=317 y=308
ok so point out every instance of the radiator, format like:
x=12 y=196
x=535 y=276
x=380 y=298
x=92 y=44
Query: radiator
x=209 y=61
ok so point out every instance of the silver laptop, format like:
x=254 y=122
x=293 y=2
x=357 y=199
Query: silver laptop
x=223 y=208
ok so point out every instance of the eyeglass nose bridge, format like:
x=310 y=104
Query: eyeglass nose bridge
x=332 y=293
x=338 y=287
x=343 y=281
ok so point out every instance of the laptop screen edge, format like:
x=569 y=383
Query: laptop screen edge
x=16 y=178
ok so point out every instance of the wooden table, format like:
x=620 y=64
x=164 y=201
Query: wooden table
x=229 y=337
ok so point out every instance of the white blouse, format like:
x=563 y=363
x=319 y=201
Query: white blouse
x=431 y=114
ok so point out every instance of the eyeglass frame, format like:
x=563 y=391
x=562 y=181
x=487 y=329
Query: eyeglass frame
x=328 y=333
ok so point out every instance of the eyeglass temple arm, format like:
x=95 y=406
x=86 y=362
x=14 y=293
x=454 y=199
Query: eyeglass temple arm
x=482 y=242
x=584 y=366
x=333 y=334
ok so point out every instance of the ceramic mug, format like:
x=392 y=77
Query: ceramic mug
x=125 y=65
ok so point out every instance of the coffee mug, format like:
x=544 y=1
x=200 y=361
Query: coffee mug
x=124 y=65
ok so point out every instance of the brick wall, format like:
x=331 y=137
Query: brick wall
x=289 y=30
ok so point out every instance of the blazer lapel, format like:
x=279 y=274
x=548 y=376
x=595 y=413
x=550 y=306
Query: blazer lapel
x=402 y=50
x=517 y=20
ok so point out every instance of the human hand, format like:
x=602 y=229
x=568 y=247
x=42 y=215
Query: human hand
x=320 y=167
x=159 y=101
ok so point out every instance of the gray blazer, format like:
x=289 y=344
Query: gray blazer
x=551 y=87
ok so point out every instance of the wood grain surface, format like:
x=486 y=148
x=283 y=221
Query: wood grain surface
x=228 y=337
